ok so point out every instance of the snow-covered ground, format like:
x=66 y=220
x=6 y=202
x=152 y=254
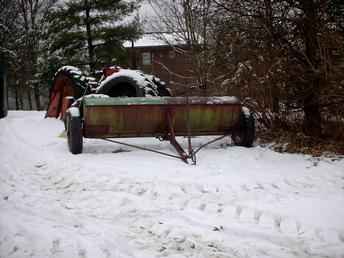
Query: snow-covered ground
x=113 y=201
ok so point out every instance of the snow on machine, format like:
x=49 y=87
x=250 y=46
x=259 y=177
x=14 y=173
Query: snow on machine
x=70 y=81
x=128 y=103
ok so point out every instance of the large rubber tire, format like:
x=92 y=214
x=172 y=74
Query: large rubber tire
x=245 y=133
x=122 y=86
x=162 y=89
x=66 y=82
x=74 y=134
x=75 y=77
x=68 y=101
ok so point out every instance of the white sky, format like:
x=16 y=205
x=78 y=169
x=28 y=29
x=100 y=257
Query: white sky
x=147 y=15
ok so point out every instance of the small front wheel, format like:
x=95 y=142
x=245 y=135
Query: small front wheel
x=74 y=133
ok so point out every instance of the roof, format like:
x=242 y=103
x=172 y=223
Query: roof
x=154 y=40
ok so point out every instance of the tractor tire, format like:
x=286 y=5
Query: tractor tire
x=75 y=78
x=74 y=134
x=244 y=134
x=162 y=89
x=67 y=102
x=122 y=86
x=68 y=81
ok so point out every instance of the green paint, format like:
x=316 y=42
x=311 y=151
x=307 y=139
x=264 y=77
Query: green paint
x=121 y=119
x=127 y=101
x=124 y=101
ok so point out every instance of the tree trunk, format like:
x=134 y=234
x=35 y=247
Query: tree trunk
x=133 y=56
x=20 y=97
x=275 y=100
x=37 y=97
x=312 y=120
x=269 y=45
x=29 y=99
x=16 y=96
x=3 y=92
x=89 y=37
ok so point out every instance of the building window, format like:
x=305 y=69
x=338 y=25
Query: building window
x=146 y=58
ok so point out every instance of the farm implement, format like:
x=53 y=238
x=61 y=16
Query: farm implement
x=108 y=117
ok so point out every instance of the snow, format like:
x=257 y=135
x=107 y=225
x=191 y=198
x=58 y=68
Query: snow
x=114 y=201
x=222 y=99
x=72 y=69
x=155 y=40
x=246 y=111
x=74 y=111
x=137 y=76
x=97 y=96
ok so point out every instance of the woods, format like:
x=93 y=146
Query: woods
x=295 y=54
x=284 y=58
x=39 y=36
x=171 y=128
x=91 y=32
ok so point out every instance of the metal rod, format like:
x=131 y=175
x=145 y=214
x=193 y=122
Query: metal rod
x=143 y=148
x=183 y=156
x=173 y=140
x=188 y=125
x=210 y=142
x=180 y=150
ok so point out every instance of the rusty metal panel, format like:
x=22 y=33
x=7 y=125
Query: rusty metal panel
x=140 y=117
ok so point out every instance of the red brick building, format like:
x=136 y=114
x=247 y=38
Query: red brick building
x=169 y=62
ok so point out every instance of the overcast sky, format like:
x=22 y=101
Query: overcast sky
x=147 y=15
x=146 y=9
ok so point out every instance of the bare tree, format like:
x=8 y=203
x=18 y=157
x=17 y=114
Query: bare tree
x=190 y=22
x=31 y=14
x=22 y=38
x=280 y=52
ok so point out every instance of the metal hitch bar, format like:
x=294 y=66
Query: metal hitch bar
x=172 y=139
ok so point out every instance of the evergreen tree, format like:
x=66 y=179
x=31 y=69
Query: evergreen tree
x=336 y=12
x=85 y=32
x=8 y=28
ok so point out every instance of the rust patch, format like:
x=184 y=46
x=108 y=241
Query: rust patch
x=142 y=120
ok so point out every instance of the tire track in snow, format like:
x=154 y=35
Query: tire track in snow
x=190 y=242
x=277 y=220
x=31 y=174
x=278 y=224
x=194 y=219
